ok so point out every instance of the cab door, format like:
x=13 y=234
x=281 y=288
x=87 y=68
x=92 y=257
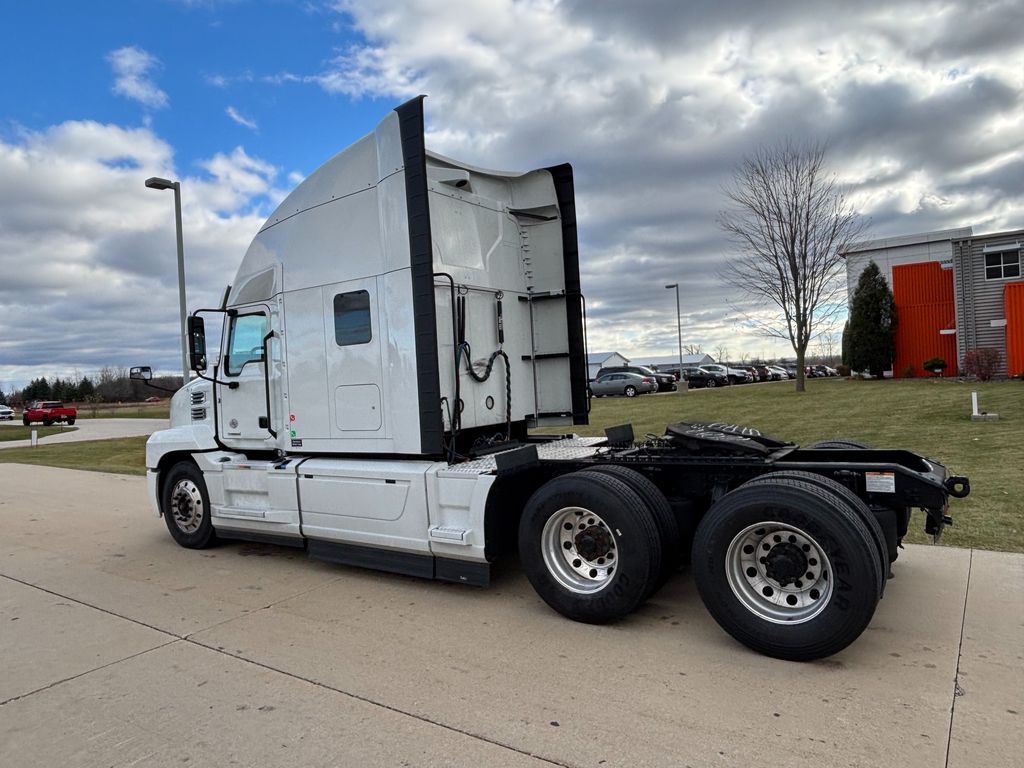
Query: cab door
x=246 y=398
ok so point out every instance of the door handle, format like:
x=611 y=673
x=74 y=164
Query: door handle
x=265 y=420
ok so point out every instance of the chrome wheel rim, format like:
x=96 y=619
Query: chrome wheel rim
x=779 y=573
x=187 y=508
x=579 y=550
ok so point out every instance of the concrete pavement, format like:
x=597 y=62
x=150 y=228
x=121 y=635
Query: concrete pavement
x=120 y=648
x=92 y=429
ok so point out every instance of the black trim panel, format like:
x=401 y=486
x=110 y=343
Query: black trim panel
x=406 y=563
x=295 y=542
x=566 y=195
x=462 y=571
x=414 y=157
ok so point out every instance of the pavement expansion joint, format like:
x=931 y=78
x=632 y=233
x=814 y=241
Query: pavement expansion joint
x=958 y=690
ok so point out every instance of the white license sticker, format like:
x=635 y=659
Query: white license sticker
x=880 y=482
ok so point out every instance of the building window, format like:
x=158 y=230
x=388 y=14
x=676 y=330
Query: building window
x=352 y=318
x=1002 y=264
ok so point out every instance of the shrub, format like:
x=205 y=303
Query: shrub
x=907 y=372
x=843 y=370
x=935 y=364
x=982 y=363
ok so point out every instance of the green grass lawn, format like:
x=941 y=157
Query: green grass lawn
x=8 y=434
x=930 y=416
x=132 y=411
x=122 y=456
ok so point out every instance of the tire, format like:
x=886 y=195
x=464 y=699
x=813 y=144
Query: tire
x=185 y=506
x=25 y=421
x=71 y=421
x=816 y=615
x=838 y=443
x=629 y=391
x=711 y=384
x=656 y=503
x=585 y=585
x=852 y=500
x=47 y=422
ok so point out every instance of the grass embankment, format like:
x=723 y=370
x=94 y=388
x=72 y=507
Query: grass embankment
x=122 y=456
x=8 y=434
x=932 y=417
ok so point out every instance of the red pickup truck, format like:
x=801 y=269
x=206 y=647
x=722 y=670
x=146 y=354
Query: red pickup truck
x=48 y=412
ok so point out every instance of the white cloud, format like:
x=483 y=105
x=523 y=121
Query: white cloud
x=241 y=120
x=88 y=253
x=132 y=67
x=655 y=104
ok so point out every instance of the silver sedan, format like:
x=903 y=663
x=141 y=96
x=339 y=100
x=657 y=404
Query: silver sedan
x=628 y=384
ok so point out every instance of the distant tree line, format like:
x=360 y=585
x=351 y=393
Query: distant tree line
x=110 y=385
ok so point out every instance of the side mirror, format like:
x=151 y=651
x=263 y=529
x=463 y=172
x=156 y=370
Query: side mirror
x=141 y=373
x=196 y=343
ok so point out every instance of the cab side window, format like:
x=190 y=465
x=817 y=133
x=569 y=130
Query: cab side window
x=245 y=343
x=352 y=318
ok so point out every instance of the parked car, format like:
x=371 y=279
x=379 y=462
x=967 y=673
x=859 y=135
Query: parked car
x=782 y=372
x=666 y=381
x=6 y=413
x=825 y=370
x=698 y=377
x=628 y=384
x=48 y=412
x=735 y=375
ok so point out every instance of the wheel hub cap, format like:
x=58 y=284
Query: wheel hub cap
x=579 y=550
x=785 y=563
x=187 y=506
x=779 y=572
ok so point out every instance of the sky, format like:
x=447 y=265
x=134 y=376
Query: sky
x=921 y=105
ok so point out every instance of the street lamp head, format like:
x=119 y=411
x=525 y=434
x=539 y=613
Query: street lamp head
x=155 y=182
x=674 y=285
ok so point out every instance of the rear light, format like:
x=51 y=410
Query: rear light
x=646 y=380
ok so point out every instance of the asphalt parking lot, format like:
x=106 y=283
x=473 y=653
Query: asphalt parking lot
x=119 y=648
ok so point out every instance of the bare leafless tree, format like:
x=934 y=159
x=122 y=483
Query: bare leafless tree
x=693 y=349
x=789 y=221
x=721 y=353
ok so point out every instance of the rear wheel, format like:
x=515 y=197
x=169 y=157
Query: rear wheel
x=589 y=547
x=787 y=569
x=71 y=421
x=656 y=503
x=711 y=384
x=185 y=505
x=630 y=391
x=852 y=501
x=838 y=443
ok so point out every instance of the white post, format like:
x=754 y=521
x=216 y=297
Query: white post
x=974 y=404
x=35 y=438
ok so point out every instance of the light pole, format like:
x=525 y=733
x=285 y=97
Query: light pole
x=158 y=183
x=679 y=330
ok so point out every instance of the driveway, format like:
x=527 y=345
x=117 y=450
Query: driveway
x=120 y=648
x=93 y=429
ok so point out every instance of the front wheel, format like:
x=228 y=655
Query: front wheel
x=47 y=422
x=25 y=421
x=711 y=384
x=787 y=569
x=185 y=505
x=630 y=391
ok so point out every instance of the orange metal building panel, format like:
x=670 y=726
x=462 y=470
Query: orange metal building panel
x=924 y=307
x=1013 y=305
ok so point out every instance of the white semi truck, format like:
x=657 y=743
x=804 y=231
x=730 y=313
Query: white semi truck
x=395 y=333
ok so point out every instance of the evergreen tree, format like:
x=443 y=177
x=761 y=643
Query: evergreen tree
x=846 y=344
x=872 y=331
x=86 y=388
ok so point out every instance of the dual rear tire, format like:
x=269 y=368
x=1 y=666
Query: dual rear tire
x=596 y=544
x=789 y=566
